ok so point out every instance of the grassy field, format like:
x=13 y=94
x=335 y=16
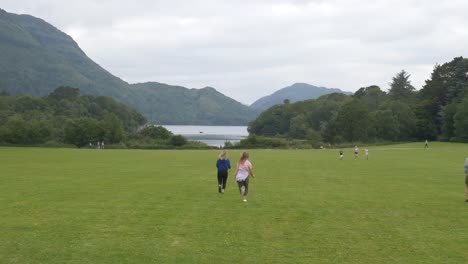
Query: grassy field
x=403 y=205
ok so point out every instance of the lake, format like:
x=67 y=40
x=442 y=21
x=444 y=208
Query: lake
x=210 y=135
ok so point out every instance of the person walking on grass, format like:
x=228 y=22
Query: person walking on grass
x=223 y=164
x=426 y=144
x=367 y=153
x=243 y=171
x=356 y=152
x=466 y=179
x=341 y=154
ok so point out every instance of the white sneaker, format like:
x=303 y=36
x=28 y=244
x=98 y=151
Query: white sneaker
x=245 y=200
x=222 y=190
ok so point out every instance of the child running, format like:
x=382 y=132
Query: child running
x=466 y=179
x=356 y=152
x=243 y=171
x=341 y=154
x=223 y=164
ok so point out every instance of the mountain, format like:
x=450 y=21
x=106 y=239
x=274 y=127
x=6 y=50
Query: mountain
x=294 y=93
x=36 y=58
x=179 y=105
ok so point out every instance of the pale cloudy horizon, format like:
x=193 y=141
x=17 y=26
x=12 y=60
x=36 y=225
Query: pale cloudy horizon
x=250 y=49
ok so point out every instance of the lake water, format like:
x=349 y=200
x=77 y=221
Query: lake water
x=210 y=135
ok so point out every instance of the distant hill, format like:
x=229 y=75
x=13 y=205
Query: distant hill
x=36 y=58
x=294 y=93
x=179 y=105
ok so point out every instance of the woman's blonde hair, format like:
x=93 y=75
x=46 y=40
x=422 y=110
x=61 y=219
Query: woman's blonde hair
x=244 y=157
x=223 y=154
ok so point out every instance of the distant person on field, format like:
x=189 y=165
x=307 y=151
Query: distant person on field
x=341 y=154
x=243 y=171
x=466 y=179
x=102 y=144
x=367 y=153
x=426 y=145
x=223 y=164
x=98 y=145
x=356 y=152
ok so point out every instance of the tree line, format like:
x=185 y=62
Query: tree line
x=65 y=117
x=438 y=111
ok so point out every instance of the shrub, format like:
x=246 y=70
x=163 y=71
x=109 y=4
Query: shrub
x=178 y=140
x=254 y=141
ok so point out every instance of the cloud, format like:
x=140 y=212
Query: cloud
x=249 y=49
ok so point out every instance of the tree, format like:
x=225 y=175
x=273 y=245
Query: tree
x=404 y=117
x=352 y=121
x=80 y=132
x=272 y=122
x=426 y=127
x=373 y=96
x=314 y=137
x=26 y=103
x=457 y=81
x=64 y=93
x=19 y=130
x=446 y=86
x=178 y=140
x=461 y=121
x=435 y=87
x=156 y=132
x=113 y=129
x=15 y=130
x=448 y=128
x=400 y=87
x=386 y=124
x=298 y=126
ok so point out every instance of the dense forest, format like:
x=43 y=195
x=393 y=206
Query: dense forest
x=66 y=118
x=438 y=111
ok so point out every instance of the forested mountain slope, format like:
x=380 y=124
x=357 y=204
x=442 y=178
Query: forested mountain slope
x=36 y=58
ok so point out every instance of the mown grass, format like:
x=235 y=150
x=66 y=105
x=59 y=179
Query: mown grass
x=404 y=205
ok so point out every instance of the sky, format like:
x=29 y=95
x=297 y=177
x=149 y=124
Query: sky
x=250 y=49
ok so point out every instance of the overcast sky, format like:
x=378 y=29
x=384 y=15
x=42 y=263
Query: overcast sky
x=249 y=49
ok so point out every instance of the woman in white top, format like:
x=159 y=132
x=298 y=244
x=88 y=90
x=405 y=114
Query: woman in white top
x=243 y=171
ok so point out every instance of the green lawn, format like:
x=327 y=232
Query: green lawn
x=404 y=205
